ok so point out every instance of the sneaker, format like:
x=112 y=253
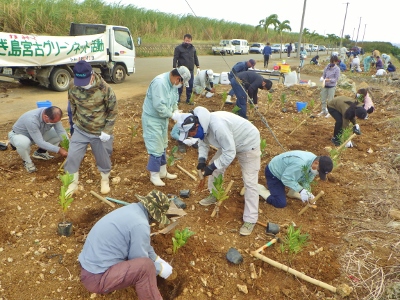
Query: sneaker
x=208 y=201
x=327 y=115
x=247 y=228
x=43 y=156
x=335 y=141
x=322 y=114
x=30 y=167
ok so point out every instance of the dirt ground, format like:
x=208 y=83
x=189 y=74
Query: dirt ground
x=352 y=223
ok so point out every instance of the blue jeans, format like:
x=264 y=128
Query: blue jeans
x=277 y=190
x=241 y=97
x=230 y=77
x=188 y=89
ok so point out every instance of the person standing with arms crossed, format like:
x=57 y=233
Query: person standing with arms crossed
x=185 y=55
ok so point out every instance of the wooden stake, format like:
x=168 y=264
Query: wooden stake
x=298 y=126
x=62 y=165
x=186 y=172
x=311 y=204
x=294 y=272
x=344 y=144
x=216 y=208
x=102 y=199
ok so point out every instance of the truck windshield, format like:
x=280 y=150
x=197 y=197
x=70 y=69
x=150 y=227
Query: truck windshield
x=235 y=42
x=123 y=38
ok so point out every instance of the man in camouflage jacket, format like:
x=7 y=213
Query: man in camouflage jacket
x=94 y=111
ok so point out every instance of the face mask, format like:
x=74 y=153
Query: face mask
x=51 y=123
x=186 y=45
x=315 y=172
x=199 y=133
x=86 y=87
x=178 y=86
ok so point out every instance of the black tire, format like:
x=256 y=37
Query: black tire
x=60 y=79
x=118 y=74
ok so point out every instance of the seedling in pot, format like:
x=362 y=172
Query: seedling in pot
x=171 y=158
x=180 y=238
x=294 y=241
x=65 y=200
x=263 y=146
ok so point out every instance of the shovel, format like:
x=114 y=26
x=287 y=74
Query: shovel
x=166 y=229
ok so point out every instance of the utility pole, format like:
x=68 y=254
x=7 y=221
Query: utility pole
x=358 y=31
x=362 y=43
x=344 y=22
x=301 y=28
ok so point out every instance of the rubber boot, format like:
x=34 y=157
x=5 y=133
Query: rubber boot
x=292 y=194
x=155 y=179
x=228 y=99
x=74 y=184
x=165 y=174
x=263 y=192
x=105 y=183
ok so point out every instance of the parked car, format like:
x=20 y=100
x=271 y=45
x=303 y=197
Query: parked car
x=241 y=46
x=276 y=48
x=257 y=48
x=314 y=48
x=293 y=48
x=321 y=48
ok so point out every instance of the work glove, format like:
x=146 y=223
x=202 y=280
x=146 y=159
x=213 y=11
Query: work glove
x=306 y=195
x=209 y=170
x=104 y=137
x=175 y=115
x=202 y=164
x=356 y=129
x=349 y=144
x=190 y=142
x=198 y=71
x=166 y=268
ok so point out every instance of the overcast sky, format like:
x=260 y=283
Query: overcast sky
x=378 y=19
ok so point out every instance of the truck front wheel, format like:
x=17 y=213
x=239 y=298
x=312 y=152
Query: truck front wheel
x=118 y=74
x=60 y=79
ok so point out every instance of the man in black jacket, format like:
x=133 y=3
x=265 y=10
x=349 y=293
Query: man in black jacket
x=185 y=55
x=247 y=83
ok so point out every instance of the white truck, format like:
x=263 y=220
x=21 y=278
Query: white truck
x=225 y=47
x=49 y=60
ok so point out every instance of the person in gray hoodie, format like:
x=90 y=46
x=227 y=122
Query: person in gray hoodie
x=233 y=136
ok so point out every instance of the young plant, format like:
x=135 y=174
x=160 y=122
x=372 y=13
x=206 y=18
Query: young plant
x=306 y=182
x=65 y=199
x=171 y=158
x=263 y=146
x=64 y=142
x=294 y=241
x=345 y=134
x=236 y=109
x=218 y=191
x=191 y=100
x=311 y=104
x=180 y=238
x=133 y=129
x=283 y=99
x=224 y=96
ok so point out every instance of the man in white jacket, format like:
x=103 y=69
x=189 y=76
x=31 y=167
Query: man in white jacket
x=203 y=83
x=233 y=136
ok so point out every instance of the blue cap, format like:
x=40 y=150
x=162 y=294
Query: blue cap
x=83 y=72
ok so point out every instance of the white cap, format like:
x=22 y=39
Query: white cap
x=185 y=74
x=210 y=74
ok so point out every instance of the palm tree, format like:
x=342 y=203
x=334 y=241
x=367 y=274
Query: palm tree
x=268 y=21
x=282 y=26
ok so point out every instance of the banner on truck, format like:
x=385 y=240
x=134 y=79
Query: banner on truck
x=22 y=50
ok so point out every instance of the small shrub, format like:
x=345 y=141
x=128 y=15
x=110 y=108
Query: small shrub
x=64 y=143
x=294 y=241
x=218 y=190
x=180 y=238
x=171 y=158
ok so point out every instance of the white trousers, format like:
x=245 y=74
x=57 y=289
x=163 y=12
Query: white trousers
x=250 y=162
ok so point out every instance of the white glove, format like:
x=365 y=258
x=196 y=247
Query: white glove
x=357 y=126
x=198 y=71
x=306 y=195
x=190 y=142
x=166 y=268
x=176 y=114
x=349 y=144
x=321 y=79
x=209 y=95
x=104 y=137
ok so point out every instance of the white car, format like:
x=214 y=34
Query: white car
x=276 y=48
x=257 y=48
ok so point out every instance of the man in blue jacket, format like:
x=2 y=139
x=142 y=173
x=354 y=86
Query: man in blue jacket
x=237 y=68
x=296 y=170
x=267 y=52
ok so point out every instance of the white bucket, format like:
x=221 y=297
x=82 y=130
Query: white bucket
x=291 y=78
x=224 y=78
x=216 y=78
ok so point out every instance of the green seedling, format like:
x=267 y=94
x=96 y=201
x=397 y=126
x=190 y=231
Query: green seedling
x=345 y=134
x=334 y=155
x=263 y=146
x=64 y=142
x=133 y=129
x=180 y=238
x=171 y=158
x=306 y=180
x=65 y=199
x=283 y=99
x=269 y=95
x=191 y=100
x=311 y=104
x=294 y=241
x=224 y=96
x=236 y=109
x=218 y=190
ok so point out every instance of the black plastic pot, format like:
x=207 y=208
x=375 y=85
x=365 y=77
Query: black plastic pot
x=64 y=228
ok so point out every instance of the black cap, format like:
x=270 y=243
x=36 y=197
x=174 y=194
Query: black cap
x=325 y=166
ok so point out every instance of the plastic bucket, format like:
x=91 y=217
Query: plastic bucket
x=285 y=68
x=216 y=78
x=46 y=103
x=300 y=106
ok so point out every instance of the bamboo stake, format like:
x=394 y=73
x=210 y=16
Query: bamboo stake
x=102 y=199
x=344 y=144
x=294 y=272
x=216 y=208
x=62 y=165
x=186 y=172
x=212 y=147
x=305 y=120
x=311 y=204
